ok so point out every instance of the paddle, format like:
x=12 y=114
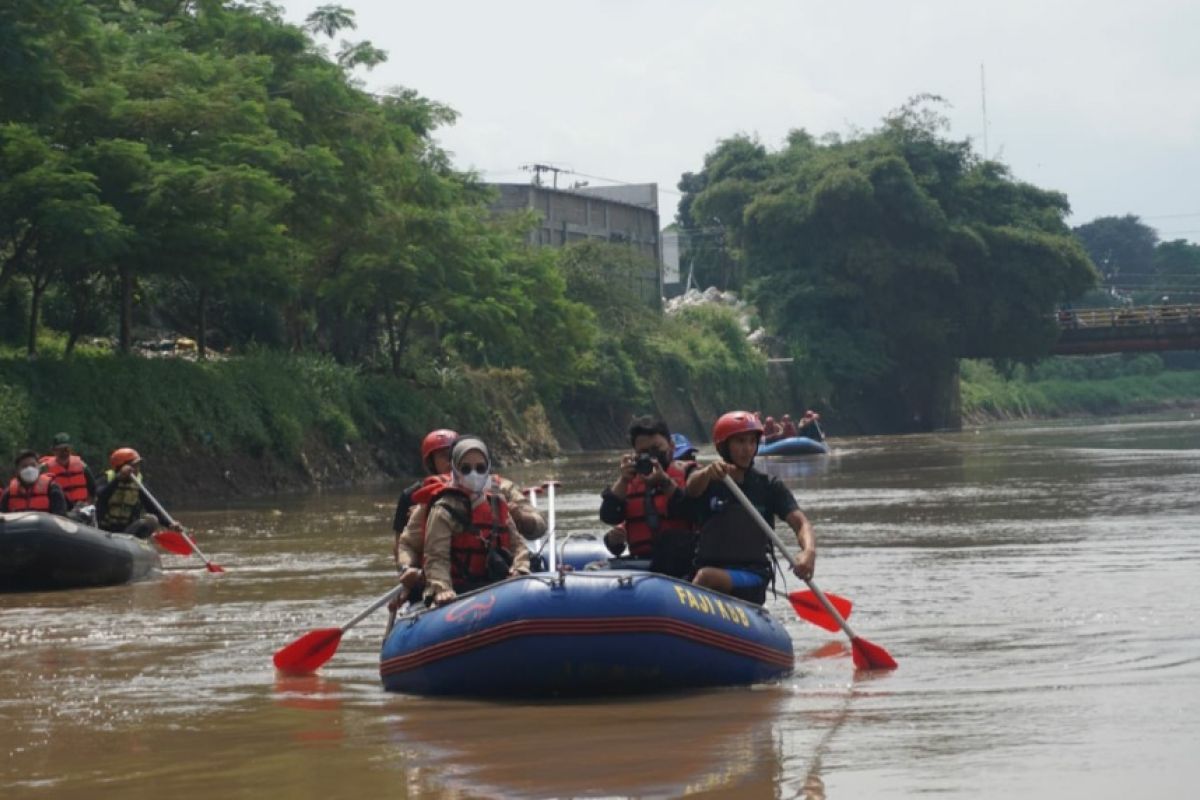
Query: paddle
x=866 y=655
x=809 y=609
x=175 y=539
x=551 y=563
x=314 y=648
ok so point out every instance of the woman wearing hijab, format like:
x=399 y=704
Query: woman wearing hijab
x=470 y=539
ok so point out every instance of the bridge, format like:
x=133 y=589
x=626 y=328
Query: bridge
x=1133 y=329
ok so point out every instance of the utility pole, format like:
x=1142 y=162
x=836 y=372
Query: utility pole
x=983 y=97
x=538 y=169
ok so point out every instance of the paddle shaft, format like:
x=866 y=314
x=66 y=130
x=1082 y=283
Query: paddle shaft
x=171 y=521
x=552 y=562
x=778 y=542
x=383 y=600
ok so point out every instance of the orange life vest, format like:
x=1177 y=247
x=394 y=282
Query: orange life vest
x=469 y=547
x=643 y=524
x=70 y=478
x=33 y=498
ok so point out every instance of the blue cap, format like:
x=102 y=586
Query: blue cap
x=682 y=445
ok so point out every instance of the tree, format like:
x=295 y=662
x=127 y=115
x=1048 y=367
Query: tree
x=885 y=257
x=1176 y=272
x=1122 y=248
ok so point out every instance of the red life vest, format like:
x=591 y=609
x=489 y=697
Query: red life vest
x=641 y=527
x=34 y=498
x=469 y=547
x=69 y=478
x=431 y=487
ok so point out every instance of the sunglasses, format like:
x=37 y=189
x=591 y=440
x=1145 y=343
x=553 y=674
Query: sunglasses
x=467 y=469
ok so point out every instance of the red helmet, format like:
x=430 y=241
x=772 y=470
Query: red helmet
x=122 y=456
x=440 y=439
x=733 y=423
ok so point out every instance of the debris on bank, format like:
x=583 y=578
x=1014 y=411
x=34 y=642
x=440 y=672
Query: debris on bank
x=712 y=296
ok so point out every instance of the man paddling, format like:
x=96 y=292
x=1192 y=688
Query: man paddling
x=733 y=555
x=121 y=504
x=32 y=490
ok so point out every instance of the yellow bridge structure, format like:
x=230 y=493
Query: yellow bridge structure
x=1131 y=329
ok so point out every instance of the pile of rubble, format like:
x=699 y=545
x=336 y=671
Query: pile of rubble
x=693 y=298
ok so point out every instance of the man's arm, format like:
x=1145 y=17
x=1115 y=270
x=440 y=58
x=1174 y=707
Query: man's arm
x=410 y=543
x=520 y=551
x=612 y=508
x=58 y=500
x=90 y=480
x=438 y=532
x=530 y=523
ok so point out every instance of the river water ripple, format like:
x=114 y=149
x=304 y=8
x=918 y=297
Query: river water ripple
x=1036 y=584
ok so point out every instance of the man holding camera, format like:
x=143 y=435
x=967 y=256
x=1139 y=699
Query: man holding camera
x=648 y=505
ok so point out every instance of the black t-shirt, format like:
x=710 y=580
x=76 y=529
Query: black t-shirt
x=730 y=538
x=767 y=493
x=403 y=506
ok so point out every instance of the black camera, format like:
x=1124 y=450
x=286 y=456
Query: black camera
x=643 y=464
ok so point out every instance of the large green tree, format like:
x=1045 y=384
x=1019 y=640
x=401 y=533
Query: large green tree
x=885 y=257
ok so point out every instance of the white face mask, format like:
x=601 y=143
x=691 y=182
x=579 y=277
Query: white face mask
x=476 y=482
x=29 y=474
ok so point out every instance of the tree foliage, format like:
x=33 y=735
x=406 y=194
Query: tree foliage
x=208 y=168
x=885 y=257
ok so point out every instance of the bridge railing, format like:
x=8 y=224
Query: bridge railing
x=1071 y=319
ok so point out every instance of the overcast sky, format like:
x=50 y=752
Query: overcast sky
x=1095 y=98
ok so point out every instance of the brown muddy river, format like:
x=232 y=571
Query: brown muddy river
x=1038 y=585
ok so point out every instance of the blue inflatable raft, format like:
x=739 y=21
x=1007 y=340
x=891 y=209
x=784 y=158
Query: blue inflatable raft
x=793 y=446
x=574 y=550
x=584 y=633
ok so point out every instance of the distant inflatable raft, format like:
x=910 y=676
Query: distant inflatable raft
x=584 y=634
x=42 y=551
x=793 y=446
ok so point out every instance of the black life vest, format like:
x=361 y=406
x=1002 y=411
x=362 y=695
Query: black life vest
x=732 y=539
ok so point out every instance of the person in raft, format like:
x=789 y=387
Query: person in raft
x=31 y=489
x=648 y=505
x=469 y=538
x=810 y=426
x=70 y=472
x=435 y=456
x=788 y=427
x=733 y=555
x=121 y=504
x=684 y=449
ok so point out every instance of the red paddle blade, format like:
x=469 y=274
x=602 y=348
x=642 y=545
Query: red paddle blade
x=309 y=652
x=173 y=542
x=809 y=608
x=871 y=656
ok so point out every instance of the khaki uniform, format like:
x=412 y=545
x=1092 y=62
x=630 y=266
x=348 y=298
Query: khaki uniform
x=431 y=544
x=410 y=542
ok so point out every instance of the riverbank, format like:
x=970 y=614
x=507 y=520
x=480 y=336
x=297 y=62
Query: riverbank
x=270 y=422
x=260 y=424
x=1108 y=385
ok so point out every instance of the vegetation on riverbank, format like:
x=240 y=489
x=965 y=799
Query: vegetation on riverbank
x=268 y=421
x=262 y=422
x=1061 y=387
